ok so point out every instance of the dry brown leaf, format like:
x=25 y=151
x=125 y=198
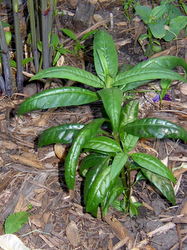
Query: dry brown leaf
x=60 y=150
x=37 y=220
x=8 y=144
x=21 y=204
x=72 y=233
x=29 y=161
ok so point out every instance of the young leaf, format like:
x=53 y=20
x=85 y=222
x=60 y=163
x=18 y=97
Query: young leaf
x=90 y=161
x=162 y=183
x=103 y=144
x=59 y=97
x=137 y=75
x=14 y=222
x=104 y=42
x=156 y=128
x=112 y=100
x=59 y=134
x=152 y=164
x=128 y=141
x=71 y=73
x=175 y=26
x=70 y=33
x=71 y=160
x=144 y=12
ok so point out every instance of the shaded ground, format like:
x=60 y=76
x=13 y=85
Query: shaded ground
x=34 y=176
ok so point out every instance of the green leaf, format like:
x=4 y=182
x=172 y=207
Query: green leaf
x=168 y=62
x=71 y=73
x=129 y=141
x=103 y=144
x=137 y=75
x=92 y=174
x=144 y=12
x=158 y=29
x=112 y=100
x=59 y=97
x=118 y=163
x=163 y=184
x=104 y=42
x=14 y=222
x=91 y=161
x=59 y=134
x=158 y=12
x=70 y=33
x=129 y=113
x=175 y=26
x=113 y=193
x=152 y=164
x=71 y=160
x=156 y=128
x=98 y=190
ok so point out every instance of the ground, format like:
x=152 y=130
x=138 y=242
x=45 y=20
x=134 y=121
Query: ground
x=34 y=176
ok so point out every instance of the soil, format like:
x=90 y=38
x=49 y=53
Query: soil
x=32 y=176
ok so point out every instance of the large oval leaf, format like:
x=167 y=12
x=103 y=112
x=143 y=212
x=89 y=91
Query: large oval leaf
x=105 y=55
x=59 y=134
x=144 y=74
x=163 y=184
x=59 y=97
x=152 y=164
x=112 y=100
x=71 y=160
x=71 y=73
x=155 y=128
x=103 y=144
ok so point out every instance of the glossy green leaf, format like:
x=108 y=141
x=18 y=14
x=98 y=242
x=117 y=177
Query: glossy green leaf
x=163 y=185
x=90 y=161
x=91 y=176
x=113 y=193
x=167 y=62
x=103 y=144
x=59 y=97
x=128 y=141
x=152 y=164
x=118 y=163
x=59 y=134
x=104 y=42
x=112 y=100
x=97 y=191
x=129 y=113
x=71 y=73
x=156 y=128
x=144 y=74
x=72 y=157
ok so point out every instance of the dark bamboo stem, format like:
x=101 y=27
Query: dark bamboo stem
x=45 y=33
x=6 y=85
x=31 y=11
x=19 y=46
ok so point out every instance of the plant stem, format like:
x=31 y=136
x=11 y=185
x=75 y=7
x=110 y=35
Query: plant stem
x=19 y=47
x=5 y=84
x=30 y=6
x=45 y=33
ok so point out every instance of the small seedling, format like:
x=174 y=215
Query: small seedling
x=14 y=222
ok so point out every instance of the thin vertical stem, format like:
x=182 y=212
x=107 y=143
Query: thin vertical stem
x=19 y=47
x=45 y=33
x=31 y=11
x=6 y=85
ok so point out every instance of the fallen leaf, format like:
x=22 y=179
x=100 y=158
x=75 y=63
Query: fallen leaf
x=73 y=233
